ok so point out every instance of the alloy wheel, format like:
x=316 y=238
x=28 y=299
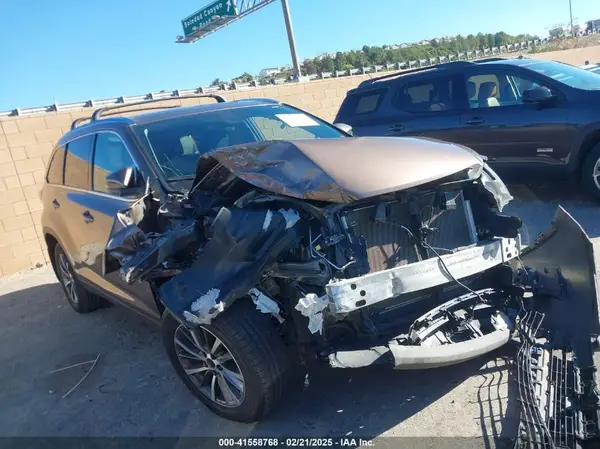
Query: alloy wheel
x=210 y=366
x=67 y=278
x=596 y=174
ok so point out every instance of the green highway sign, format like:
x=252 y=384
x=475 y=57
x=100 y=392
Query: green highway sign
x=207 y=15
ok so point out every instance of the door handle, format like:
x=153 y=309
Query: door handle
x=55 y=204
x=87 y=217
x=396 y=128
x=475 y=121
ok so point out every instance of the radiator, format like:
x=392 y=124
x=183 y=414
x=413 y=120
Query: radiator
x=389 y=246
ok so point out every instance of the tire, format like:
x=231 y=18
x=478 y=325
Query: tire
x=587 y=172
x=78 y=297
x=258 y=352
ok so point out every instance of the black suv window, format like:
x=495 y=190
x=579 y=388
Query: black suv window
x=77 y=163
x=493 y=89
x=110 y=155
x=55 y=168
x=429 y=95
x=362 y=103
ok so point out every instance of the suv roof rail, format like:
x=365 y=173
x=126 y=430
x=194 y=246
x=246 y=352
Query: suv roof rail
x=442 y=65
x=98 y=113
x=77 y=121
x=479 y=61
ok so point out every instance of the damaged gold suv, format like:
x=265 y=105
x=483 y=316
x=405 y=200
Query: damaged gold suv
x=265 y=240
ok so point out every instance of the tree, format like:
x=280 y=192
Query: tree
x=341 y=60
x=386 y=54
x=244 y=78
x=309 y=67
x=216 y=82
x=327 y=64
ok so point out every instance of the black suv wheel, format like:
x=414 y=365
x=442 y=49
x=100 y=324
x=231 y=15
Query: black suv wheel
x=237 y=366
x=590 y=172
x=80 y=299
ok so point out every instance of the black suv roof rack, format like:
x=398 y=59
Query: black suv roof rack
x=99 y=113
x=479 y=61
x=443 y=65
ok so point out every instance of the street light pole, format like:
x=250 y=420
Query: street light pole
x=291 y=40
x=571 y=15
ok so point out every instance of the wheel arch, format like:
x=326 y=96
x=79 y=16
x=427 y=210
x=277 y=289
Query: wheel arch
x=588 y=139
x=51 y=242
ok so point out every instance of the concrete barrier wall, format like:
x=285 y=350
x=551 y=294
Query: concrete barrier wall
x=26 y=144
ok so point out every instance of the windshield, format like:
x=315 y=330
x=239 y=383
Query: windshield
x=176 y=143
x=569 y=75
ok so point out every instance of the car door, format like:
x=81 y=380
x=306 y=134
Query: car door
x=69 y=203
x=514 y=135
x=110 y=154
x=427 y=107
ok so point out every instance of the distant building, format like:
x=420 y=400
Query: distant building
x=593 y=25
x=269 y=72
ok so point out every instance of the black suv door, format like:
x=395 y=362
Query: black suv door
x=514 y=135
x=427 y=107
x=423 y=105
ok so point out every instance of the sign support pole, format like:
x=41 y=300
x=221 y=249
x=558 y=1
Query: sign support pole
x=291 y=40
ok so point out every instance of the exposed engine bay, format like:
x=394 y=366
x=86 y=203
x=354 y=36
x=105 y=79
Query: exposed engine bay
x=355 y=271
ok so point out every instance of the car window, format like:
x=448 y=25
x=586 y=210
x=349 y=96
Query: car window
x=361 y=103
x=430 y=95
x=110 y=155
x=177 y=143
x=55 y=167
x=498 y=89
x=77 y=162
x=271 y=129
x=567 y=74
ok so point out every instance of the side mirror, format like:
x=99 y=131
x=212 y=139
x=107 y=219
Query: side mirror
x=120 y=181
x=538 y=95
x=344 y=128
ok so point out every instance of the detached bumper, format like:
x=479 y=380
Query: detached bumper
x=420 y=357
x=436 y=346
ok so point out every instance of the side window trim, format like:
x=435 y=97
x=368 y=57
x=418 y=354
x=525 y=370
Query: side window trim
x=62 y=168
x=407 y=82
x=93 y=157
x=509 y=73
x=88 y=187
x=352 y=102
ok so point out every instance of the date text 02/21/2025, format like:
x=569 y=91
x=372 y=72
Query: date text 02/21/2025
x=295 y=442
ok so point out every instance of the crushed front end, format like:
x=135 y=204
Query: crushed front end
x=359 y=269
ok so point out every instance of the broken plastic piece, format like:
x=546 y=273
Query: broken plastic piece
x=493 y=184
x=267 y=221
x=312 y=306
x=205 y=308
x=291 y=217
x=265 y=304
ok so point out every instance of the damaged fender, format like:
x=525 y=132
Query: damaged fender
x=241 y=245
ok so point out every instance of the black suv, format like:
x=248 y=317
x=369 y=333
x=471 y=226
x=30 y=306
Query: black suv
x=533 y=119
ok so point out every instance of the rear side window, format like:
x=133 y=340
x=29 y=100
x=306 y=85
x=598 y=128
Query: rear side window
x=430 y=95
x=55 y=168
x=77 y=163
x=110 y=155
x=362 y=103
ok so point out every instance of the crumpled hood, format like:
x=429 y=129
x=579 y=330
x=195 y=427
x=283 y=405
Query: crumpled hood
x=343 y=170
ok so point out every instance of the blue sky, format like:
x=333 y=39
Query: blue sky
x=73 y=50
